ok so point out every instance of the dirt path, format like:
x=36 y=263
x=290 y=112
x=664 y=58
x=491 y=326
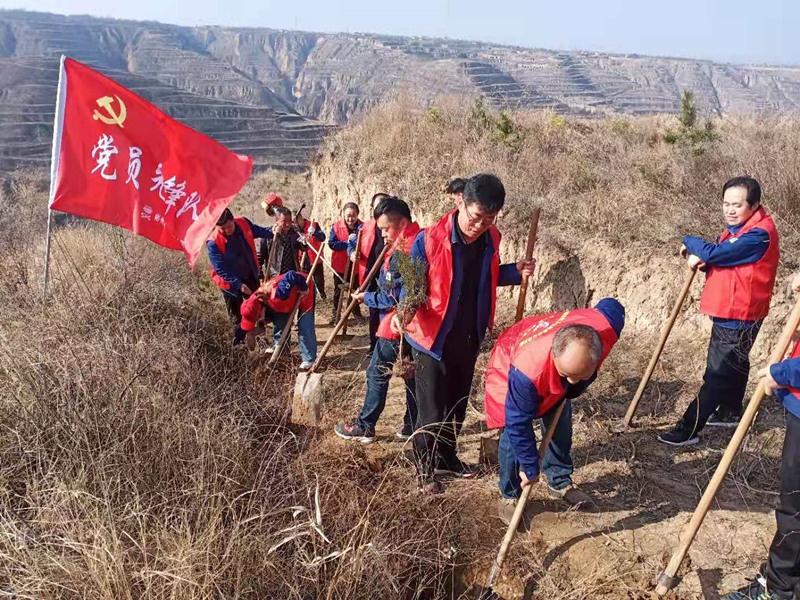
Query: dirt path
x=645 y=492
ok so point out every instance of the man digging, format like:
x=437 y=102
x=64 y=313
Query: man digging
x=535 y=365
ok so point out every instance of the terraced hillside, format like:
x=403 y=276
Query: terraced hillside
x=268 y=92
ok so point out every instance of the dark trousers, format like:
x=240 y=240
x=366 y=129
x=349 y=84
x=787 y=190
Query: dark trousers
x=337 y=292
x=725 y=379
x=319 y=276
x=234 y=306
x=782 y=570
x=379 y=372
x=557 y=464
x=443 y=388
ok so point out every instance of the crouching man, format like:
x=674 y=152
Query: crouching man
x=535 y=365
x=273 y=302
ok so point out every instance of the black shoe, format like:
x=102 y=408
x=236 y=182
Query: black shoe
x=757 y=590
x=404 y=432
x=458 y=469
x=354 y=431
x=679 y=437
x=723 y=419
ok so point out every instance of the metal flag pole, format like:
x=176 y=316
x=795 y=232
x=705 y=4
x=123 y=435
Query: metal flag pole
x=58 y=124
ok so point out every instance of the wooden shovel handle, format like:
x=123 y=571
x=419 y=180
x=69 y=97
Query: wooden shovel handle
x=350 y=308
x=667 y=579
x=523 y=288
x=520 y=508
x=687 y=284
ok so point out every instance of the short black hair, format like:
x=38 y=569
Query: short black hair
x=455 y=186
x=352 y=205
x=486 y=190
x=226 y=216
x=282 y=210
x=377 y=198
x=393 y=208
x=751 y=185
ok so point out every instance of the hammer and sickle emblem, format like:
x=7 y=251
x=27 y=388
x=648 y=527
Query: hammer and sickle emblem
x=111 y=117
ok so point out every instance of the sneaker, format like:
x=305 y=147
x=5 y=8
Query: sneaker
x=678 y=437
x=723 y=419
x=756 y=590
x=270 y=349
x=404 y=433
x=458 y=469
x=306 y=365
x=431 y=487
x=572 y=495
x=354 y=431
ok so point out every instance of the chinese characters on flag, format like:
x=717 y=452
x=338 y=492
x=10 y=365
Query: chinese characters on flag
x=120 y=160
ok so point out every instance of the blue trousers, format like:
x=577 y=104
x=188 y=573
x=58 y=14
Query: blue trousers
x=557 y=465
x=379 y=372
x=307 y=335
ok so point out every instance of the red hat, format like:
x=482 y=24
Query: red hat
x=251 y=313
x=274 y=200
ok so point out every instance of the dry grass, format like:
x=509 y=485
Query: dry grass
x=141 y=458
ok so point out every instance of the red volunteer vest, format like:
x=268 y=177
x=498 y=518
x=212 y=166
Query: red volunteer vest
x=528 y=346
x=315 y=244
x=368 y=233
x=743 y=292
x=404 y=242
x=339 y=257
x=221 y=241
x=285 y=306
x=427 y=321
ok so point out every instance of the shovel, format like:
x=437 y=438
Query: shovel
x=487 y=592
x=308 y=387
x=523 y=288
x=667 y=578
x=353 y=275
x=287 y=330
x=626 y=421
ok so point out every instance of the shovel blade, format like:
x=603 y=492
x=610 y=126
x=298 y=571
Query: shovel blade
x=307 y=400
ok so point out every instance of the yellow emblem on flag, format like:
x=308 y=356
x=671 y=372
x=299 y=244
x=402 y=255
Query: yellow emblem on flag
x=111 y=117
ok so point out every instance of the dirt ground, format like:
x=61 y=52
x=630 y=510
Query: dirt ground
x=644 y=491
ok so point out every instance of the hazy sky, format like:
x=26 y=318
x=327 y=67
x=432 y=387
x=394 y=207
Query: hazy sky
x=725 y=30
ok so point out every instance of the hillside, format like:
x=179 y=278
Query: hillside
x=268 y=92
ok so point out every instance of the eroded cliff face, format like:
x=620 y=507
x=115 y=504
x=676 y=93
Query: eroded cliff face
x=571 y=273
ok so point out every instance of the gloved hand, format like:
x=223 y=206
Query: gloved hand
x=352 y=238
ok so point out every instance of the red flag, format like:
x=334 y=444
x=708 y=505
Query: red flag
x=120 y=160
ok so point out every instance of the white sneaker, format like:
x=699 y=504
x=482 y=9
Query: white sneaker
x=305 y=365
x=270 y=349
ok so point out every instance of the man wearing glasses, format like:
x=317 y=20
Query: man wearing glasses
x=463 y=271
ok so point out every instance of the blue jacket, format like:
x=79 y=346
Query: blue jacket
x=522 y=399
x=787 y=372
x=509 y=275
x=335 y=244
x=389 y=289
x=290 y=279
x=735 y=251
x=237 y=254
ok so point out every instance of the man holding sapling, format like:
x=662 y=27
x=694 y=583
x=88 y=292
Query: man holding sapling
x=393 y=219
x=780 y=575
x=234 y=263
x=740 y=274
x=463 y=270
x=535 y=365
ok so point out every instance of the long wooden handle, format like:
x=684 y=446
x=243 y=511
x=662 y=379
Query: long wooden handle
x=520 y=508
x=287 y=329
x=523 y=288
x=687 y=284
x=326 y=262
x=350 y=308
x=353 y=272
x=667 y=580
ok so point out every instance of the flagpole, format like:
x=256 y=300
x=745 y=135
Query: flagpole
x=58 y=124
